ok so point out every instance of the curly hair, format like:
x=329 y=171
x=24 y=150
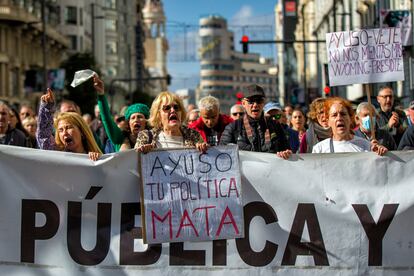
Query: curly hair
x=315 y=108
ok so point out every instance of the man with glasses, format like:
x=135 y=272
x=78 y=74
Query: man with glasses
x=211 y=123
x=275 y=112
x=236 y=111
x=390 y=119
x=254 y=131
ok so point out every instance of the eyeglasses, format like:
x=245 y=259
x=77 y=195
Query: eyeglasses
x=169 y=106
x=237 y=113
x=120 y=119
x=256 y=100
x=276 y=116
x=386 y=96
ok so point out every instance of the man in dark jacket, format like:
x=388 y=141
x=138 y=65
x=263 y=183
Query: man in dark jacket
x=254 y=132
x=8 y=136
x=211 y=123
x=390 y=119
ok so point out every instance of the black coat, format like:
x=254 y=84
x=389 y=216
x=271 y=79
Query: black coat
x=235 y=133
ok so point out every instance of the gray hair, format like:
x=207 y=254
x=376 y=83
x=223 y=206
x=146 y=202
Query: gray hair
x=209 y=103
x=5 y=105
x=235 y=106
x=364 y=105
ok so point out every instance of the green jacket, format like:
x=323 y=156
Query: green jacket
x=115 y=134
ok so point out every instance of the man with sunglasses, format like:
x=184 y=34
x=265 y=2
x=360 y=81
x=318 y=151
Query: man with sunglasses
x=274 y=111
x=255 y=132
x=211 y=123
x=236 y=111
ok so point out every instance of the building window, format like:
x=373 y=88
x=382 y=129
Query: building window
x=73 y=41
x=111 y=71
x=111 y=48
x=110 y=4
x=81 y=16
x=110 y=24
x=70 y=15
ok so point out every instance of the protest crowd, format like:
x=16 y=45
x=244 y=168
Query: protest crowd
x=331 y=125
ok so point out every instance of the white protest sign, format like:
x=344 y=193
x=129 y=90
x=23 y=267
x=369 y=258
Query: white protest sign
x=400 y=19
x=365 y=56
x=190 y=196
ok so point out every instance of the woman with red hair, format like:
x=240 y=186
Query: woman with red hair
x=340 y=118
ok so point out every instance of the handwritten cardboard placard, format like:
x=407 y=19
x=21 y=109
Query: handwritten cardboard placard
x=365 y=56
x=190 y=196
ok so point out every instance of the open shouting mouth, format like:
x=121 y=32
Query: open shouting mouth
x=173 y=118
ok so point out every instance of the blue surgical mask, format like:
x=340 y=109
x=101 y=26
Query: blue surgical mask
x=366 y=123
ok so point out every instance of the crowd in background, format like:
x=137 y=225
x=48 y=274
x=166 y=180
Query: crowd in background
x=330 y=125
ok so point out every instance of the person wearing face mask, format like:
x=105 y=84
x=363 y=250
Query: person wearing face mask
x=168 y=131
x=318 y=128
x=365 y=130
x=136 y=116
x=72 y=133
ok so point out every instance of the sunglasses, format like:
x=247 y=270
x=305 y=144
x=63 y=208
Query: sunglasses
x=120 y=119
x=169 y=106
x=237 y=113
x=277 y=116
x=256 y=100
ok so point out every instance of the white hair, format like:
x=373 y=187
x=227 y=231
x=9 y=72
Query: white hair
x=364 y=105
x=209 y=103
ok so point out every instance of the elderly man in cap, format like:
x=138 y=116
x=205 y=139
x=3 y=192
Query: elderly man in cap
x=254 y=131
x=211 y=123
x=275 y=112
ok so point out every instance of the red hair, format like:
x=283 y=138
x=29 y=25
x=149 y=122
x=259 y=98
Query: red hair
x=345 y=103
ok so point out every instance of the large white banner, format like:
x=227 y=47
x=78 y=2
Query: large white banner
x=328 y=214
x=365 y=56
x=191 y=196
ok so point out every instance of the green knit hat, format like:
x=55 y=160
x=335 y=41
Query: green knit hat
x=137 y=108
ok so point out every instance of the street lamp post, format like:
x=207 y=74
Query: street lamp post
x=43 y=14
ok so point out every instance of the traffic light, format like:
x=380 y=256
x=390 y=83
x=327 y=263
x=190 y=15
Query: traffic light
x=239 y=96
x=245 y=44
x=327 y=90
x=168 y=78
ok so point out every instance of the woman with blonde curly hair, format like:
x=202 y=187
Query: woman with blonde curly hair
x=72 y=133
x=340 y=116
x=167 y=115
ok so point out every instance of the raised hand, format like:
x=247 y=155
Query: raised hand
x=98 y=84
x=49 y=97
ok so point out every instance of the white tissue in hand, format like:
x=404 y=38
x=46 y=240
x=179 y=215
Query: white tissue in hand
x=82 y=76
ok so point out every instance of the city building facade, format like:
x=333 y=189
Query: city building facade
x=224 y=71
x=22 y=55
x=155 y=45
x=318 y=17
